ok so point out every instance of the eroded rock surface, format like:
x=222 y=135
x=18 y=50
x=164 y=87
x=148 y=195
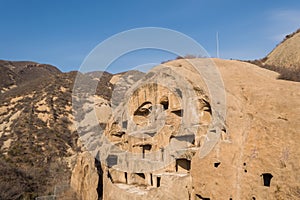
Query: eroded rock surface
x=162 y=140
x=84 y=179
x=156 y=146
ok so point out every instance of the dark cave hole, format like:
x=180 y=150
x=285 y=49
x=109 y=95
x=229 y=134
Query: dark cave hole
x=142 y=175
x=179 y=113
x=183 y=163
x=144 y=109
x=200 y=197
x=267 y=179
x=158 y=181
x=100 y=180
x=216 y=164
x=164 y=101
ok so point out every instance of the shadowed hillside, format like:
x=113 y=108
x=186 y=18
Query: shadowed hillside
x=37 y=137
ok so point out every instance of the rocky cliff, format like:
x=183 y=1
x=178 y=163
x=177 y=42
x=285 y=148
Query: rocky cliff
x=255 y=155
x=85 y=178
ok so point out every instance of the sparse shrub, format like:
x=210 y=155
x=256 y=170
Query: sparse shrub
x=188 y=56
x=291 y=74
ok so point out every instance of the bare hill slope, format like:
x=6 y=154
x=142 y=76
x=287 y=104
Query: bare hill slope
x=287 y=53
x=285 y=58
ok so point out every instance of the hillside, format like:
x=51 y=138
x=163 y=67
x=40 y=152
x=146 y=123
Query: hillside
x=37 y=137
x=287 y=53
x=14 y=73
x=284 y=58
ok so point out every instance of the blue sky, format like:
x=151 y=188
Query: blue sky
x=63 y=32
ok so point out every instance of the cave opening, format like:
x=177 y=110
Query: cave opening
x=100 y=179
x=179 y=113
x=183 y=165
x=146 y=149
x=216 y=164
x=158 y=181
x=267 y=179
x=164 y=101
x=144 y=109
x=142 y=175
x=126 y=179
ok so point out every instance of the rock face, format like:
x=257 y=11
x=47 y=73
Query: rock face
x=84 y=179
x=261 y=158
x=162 y=144
x=287 y=53
x=154 y=133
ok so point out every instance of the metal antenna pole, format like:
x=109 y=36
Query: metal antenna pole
x=217 y=37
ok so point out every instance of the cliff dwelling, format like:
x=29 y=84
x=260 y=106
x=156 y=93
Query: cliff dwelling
x=156 y=133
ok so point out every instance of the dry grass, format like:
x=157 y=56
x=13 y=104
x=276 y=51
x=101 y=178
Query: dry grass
x=291 y=74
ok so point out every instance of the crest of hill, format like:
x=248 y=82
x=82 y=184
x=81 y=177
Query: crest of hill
x=287 y=53
x=14 y=73
x=284 y=58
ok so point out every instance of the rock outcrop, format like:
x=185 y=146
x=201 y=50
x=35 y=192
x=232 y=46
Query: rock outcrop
x=156 y=146
x=85 y=178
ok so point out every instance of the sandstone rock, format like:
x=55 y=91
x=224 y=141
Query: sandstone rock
x=253 y=155
x=84 y=179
